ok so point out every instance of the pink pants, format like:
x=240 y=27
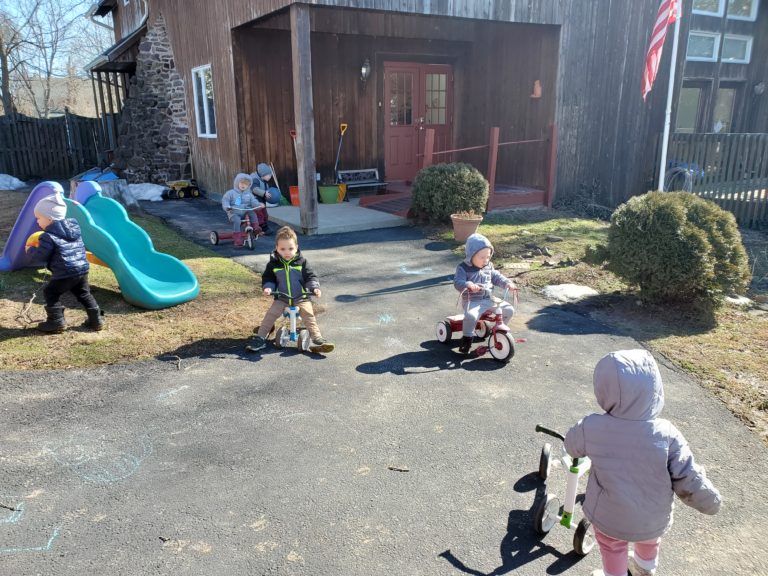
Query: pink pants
x=614 y=553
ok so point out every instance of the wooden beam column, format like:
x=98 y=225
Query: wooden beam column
x=303 y=110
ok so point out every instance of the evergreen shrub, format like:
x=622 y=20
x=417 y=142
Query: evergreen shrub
x=444 y=189
x=677 y=247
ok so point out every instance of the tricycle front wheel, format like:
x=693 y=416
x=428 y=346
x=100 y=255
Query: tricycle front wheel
x=501 y=346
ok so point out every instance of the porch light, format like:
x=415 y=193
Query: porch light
x=365 y=71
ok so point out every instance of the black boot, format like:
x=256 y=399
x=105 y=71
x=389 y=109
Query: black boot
x=466 y=344
x=95 y=319
x=54 y=323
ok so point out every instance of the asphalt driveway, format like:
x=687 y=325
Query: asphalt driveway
x=391 y=455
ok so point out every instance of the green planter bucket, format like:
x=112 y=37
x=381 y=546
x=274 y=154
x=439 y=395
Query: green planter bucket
x=329 y=194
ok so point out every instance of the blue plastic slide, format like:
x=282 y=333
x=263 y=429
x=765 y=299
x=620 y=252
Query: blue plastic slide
x=14 y=256
x=147 y=278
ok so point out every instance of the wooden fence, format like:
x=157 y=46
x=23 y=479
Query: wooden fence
x=54 y=148
x=729 y=169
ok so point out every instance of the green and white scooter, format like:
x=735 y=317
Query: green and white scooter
x=550 y=511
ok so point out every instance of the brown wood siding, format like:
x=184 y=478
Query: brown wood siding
x=128 y=17
x=606 y=133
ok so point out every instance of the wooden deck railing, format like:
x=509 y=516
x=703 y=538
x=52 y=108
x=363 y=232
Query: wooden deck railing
x=493 y=154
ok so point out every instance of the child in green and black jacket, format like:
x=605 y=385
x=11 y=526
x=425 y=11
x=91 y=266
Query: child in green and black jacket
x=289 y=278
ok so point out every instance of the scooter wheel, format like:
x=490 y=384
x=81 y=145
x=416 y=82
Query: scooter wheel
x=583 y=538
x=304 y=341
x=501 y=346
x=444 y=332
x=545 y=461
x=250 y=240
x=547 y=514
x=214 y=237
x=280 y=337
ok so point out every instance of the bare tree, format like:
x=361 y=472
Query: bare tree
x=42 y=40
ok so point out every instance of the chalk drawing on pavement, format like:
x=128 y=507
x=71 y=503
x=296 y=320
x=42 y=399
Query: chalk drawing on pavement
x=420 y=272
x=45 y=548
x=99 y=460
x=385 y=319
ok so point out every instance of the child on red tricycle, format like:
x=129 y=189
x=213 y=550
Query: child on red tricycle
x=247 y=215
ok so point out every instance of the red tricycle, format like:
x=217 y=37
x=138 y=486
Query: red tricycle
x=500 y=343
x=249 y=233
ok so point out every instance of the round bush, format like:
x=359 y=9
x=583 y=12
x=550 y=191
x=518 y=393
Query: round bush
x=677 y=247
x=444 y=189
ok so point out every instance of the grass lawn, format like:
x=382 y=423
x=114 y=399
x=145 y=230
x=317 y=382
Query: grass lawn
x=221 y=317
x=727 y=352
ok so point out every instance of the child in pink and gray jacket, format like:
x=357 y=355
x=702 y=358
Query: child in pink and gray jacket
x=639 y=463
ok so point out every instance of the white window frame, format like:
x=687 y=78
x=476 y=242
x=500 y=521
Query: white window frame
x=716 y=48
x=200 y=70
x=719 y=13
x=752 y=16
x=748 y=40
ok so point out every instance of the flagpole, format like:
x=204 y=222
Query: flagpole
x=670 y=93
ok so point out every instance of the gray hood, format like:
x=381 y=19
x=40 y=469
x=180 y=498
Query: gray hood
x=628 y=385
x=242 y=176
x=475 y=243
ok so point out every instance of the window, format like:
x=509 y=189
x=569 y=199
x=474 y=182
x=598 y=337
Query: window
x=743 y=9
x=401 y=100
x=126 y=2
x=435 y=98
x=736 y=49
x=703 y=46
x=709 y=7
x=688 y=109
x=205 y=114
x=722 y=119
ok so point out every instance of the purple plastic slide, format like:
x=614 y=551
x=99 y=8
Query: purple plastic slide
x=14 y=257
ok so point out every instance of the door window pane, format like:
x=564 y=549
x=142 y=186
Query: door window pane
x=743 y=9
x=723 y=116
x=435 y=98
x=401 y=99
x=688 y=110
x=737 y=49
x=702 y=46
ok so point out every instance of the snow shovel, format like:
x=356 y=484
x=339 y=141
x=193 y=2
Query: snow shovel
x=342 y=129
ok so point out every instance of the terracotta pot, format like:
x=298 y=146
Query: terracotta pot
x=464 y=227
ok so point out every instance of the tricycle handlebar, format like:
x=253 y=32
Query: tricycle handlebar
x=545 y=430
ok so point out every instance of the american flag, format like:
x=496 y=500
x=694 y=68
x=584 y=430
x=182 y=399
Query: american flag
x=668 y=13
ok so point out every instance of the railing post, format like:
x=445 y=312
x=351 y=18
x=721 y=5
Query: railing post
x=551 y=166
x=429 y=147
x=493 y=157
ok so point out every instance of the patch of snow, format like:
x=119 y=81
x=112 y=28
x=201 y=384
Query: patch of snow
x=738 y=301
x=10 y=182
x=151 y=192
x=568 y=292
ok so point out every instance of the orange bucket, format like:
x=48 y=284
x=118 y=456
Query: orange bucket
x=294 y=190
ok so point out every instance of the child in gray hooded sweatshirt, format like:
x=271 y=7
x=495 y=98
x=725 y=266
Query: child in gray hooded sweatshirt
x=475 y=278
x=639 y=463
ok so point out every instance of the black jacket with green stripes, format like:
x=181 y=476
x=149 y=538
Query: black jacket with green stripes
x=290 y=280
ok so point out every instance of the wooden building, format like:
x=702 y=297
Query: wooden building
x=254 y=70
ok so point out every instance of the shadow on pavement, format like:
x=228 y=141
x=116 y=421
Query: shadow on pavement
x=434 y=357
x=420 y=285
x=521 y=544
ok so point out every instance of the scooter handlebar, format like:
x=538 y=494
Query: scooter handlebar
x=545 y=430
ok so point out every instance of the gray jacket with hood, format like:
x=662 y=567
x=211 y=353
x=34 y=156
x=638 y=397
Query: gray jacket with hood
x=238 y=200
x=486 y=277
x=639 y=461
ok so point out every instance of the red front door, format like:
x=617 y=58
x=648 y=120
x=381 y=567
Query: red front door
x=417 y=96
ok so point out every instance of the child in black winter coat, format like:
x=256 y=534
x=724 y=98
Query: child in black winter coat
x=61 y=247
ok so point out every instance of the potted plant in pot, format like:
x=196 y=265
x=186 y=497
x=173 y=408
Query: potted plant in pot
x=455 y=192
x=465 y=223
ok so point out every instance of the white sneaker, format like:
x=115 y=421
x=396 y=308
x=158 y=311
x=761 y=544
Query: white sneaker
x=636 y=570
x=598 y=573
x=271 y=205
